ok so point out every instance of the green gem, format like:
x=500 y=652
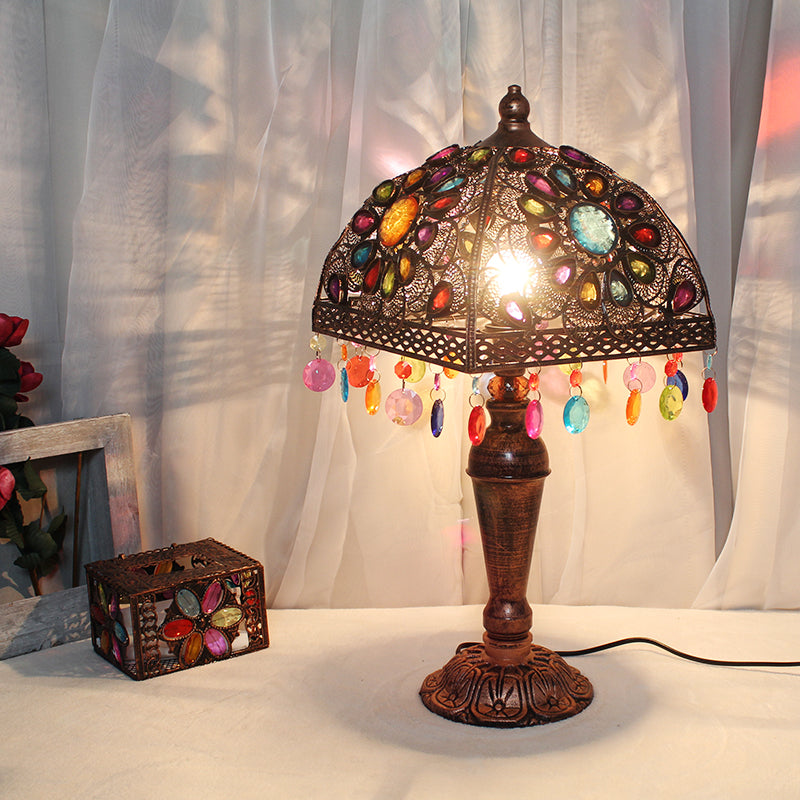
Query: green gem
x=670 y=404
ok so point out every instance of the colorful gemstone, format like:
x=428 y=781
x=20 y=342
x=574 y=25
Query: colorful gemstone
x=105 y=641
x=710 y=394
x=543 y=240
x=359 y=371
x=515 y=310
x=336 y=288
x=640 y=372
x=216 y=643
x=444 y=153
x=437 y=417
x=589 y=292
x=628 y=203
x=176 y=629
x=372 y=397
x=562 y=273
x=417 y=370
x=404 y=406
x=362 y=254
x=575 y=377
x=671 y=367
x=187 y=603
x=414 y=178
x=679 y=380
x=670 y=404
x=684 y=296
x=406 y=267
x=443 y=204
x=211 y=597
x=619 y=289
x=364 y=221
x=402 y=369
x=440 y=175
x=576 y=414
x=479 y=156
x=645 y=234
x=372 y=276
x=344 y=384
x=226 y=617
x=120 y=633
x=595 y=185
x=319 y=375
x=565 y=178
x=641 y=269
x=425 y=234
x=383 y=192
x=633 y=407
x=191 y=649
x=534 y=419
x=577 y=157
x=519 y=156
x=593 y=228
x=541 y=185
x=397 y=220
x=448 y=186
x=389 y=281
x=440 y=299
x=476 y=427
x=533 y=207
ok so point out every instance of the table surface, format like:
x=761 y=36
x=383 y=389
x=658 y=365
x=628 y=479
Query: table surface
x=331 y=710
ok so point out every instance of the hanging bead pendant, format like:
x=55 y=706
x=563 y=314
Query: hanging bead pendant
x=633 y=407
x=534 y=419
x=576 y=414
x=319 y=374
x=476 y=427
x=372 y=397
x=437 y=417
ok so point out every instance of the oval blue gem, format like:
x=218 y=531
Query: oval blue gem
x=437 y=417
x=576 y=414
x=362 y=254
x=187 y=602
x=120 y=633
x=344 y=384
x=593 y=228
x=679 y=380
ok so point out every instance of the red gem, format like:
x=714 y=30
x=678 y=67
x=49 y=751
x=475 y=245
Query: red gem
x=372 y=275
x=402 y=369
x=177 y=628
x=440 y=299
x=646 y=235
x=710 y=394
x=520 y=156
x=477 y=425
x=543 y=239
x=671 y=368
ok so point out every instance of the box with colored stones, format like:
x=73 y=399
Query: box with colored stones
x=175 y=608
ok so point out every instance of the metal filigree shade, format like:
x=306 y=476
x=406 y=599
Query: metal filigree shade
x=513 y=253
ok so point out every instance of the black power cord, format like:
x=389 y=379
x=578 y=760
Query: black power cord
x=699 y=659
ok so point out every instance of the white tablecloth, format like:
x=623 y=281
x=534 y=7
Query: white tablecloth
x=331 y=710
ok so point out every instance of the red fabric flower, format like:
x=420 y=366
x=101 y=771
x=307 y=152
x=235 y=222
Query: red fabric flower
x=29 y=379
x=7 y=484
x=12 y=330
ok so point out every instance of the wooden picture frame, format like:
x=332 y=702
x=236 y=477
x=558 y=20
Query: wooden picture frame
x=38 y=622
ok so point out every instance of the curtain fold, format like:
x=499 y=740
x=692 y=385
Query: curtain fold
x=227 y=146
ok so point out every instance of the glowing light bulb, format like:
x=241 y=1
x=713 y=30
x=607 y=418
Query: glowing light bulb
x=512 y=271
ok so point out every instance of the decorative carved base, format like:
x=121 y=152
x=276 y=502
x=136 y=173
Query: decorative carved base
x=473 y=689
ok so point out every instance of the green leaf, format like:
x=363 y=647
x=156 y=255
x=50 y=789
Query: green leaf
x=39 y=541
x=29 y=561
x=34 y=485
x=10 y=527
x=58 y=528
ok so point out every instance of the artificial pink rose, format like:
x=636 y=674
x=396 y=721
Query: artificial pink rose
x=7 y=484
x=12 y=330
x=29 y=379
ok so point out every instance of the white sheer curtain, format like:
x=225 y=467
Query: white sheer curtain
x=228 y=143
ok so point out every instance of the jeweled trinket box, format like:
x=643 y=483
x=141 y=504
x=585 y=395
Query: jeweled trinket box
x=178 y=607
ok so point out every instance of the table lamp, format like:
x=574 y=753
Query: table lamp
x=504 y=257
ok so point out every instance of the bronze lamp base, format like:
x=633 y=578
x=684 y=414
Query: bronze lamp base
x=507 y=681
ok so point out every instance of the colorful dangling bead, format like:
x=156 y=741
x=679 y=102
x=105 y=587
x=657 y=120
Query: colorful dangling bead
x=576 y=410
x=372 y=397
x=359 y=370
x=670 y=404
x=403 y=406
x=633 y=407
x=641 y=372
x=710 y=390
x=402 y=369
x=605 y=372
x=534 y=414
x=344 y=384
x=476 y=427
x=437 y=409
x=318 y=374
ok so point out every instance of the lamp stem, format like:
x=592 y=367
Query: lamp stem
x=507 y=681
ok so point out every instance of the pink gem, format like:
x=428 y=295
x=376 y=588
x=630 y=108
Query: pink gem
x=639 y=375
x=319 y=375
x=684 y=297
x=403 y=406
x=216 y=642
x=212 y=596
x=534 y=419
